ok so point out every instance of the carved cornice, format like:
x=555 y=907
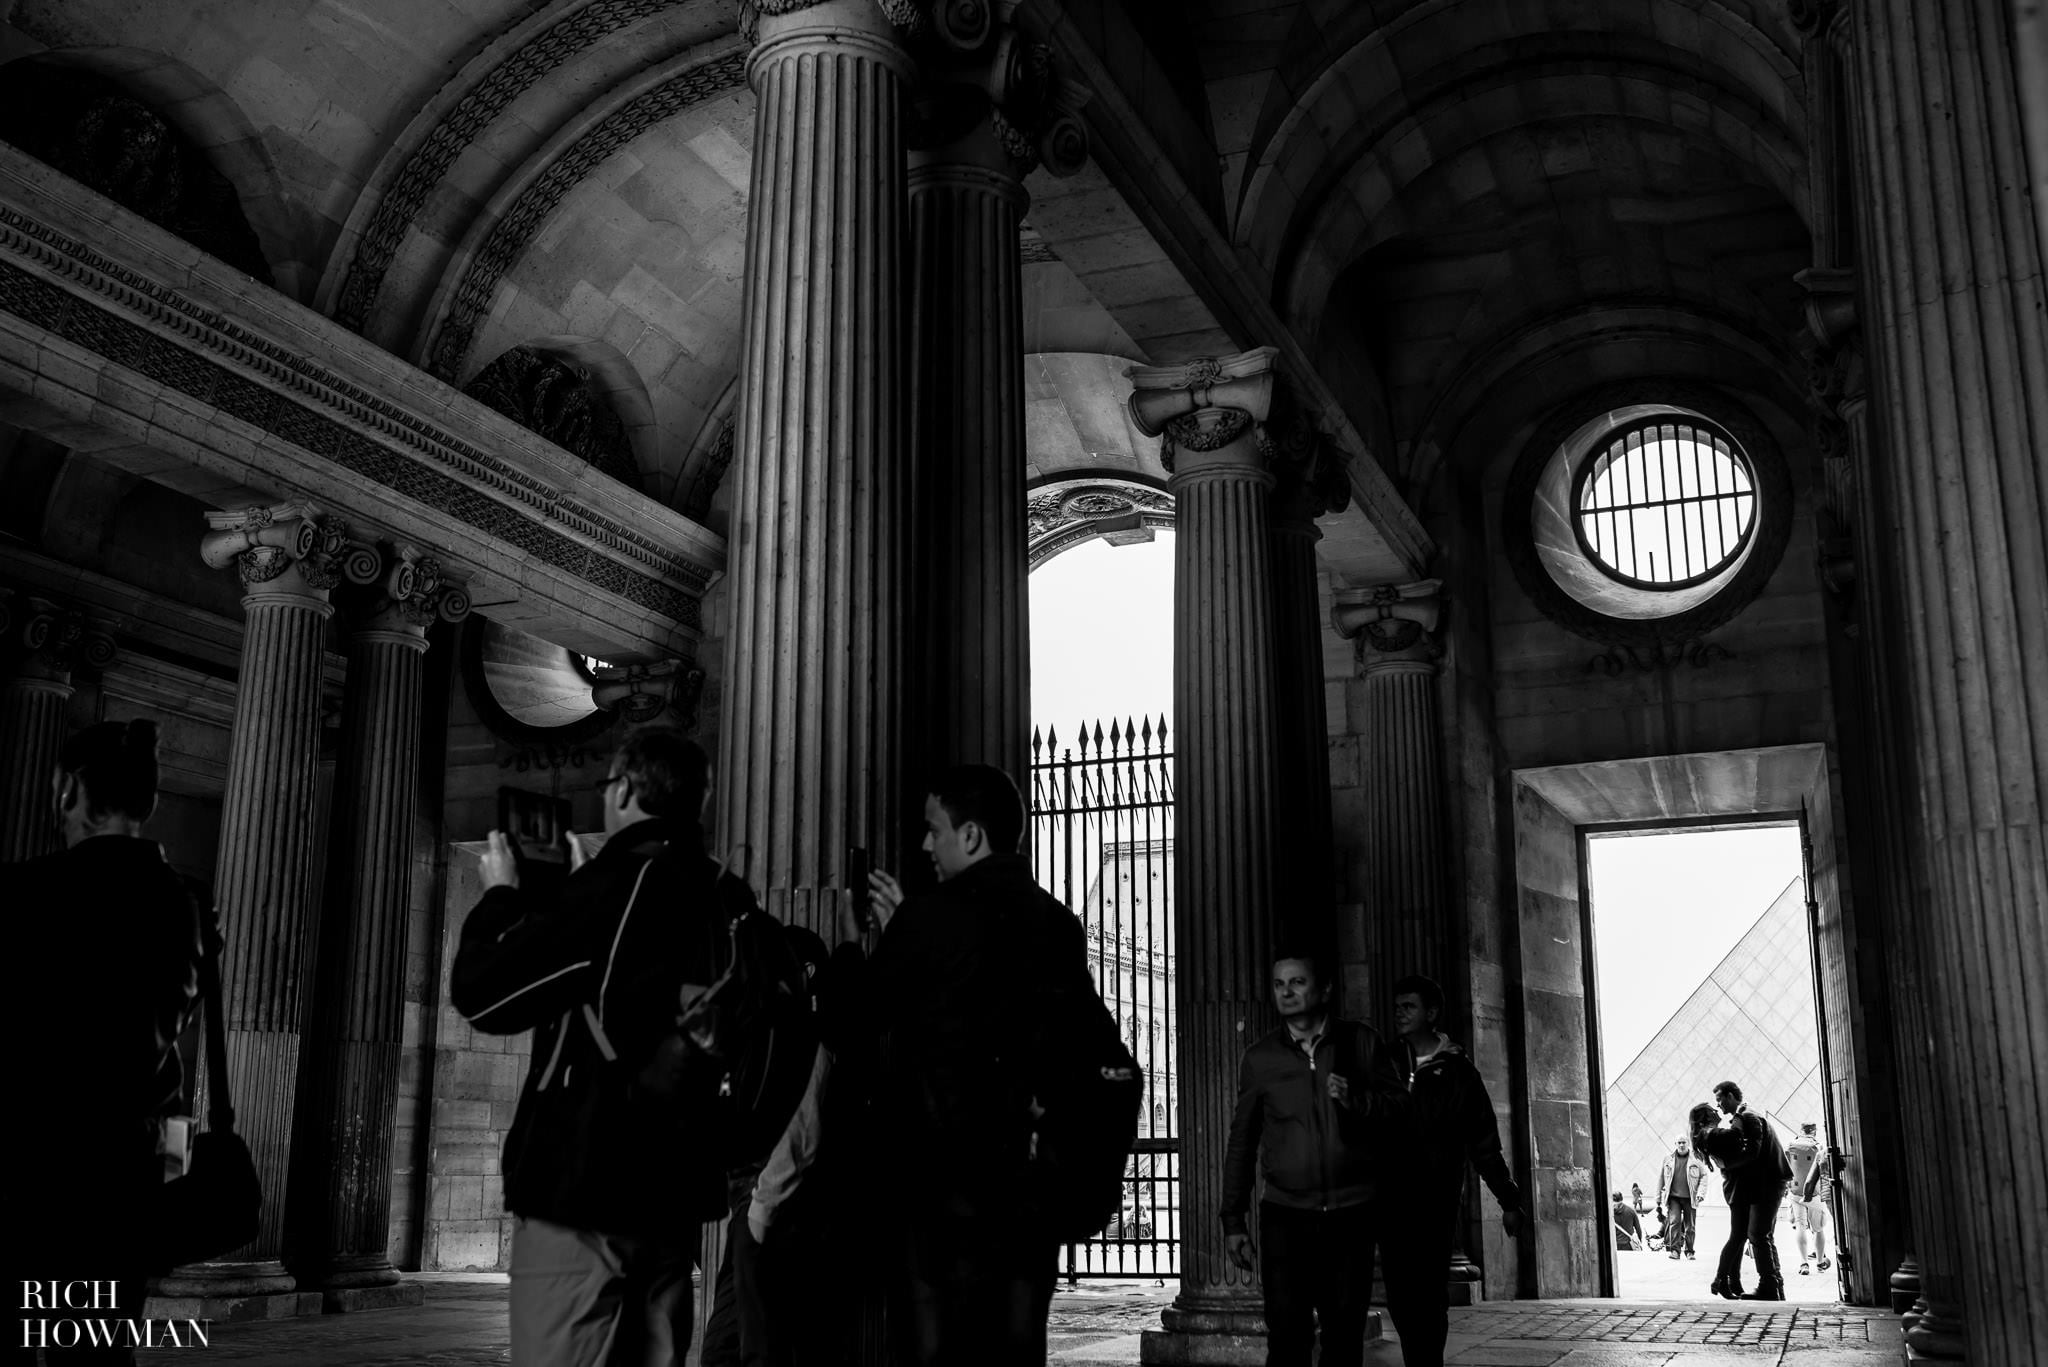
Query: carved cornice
x=465 y=121
x=508 y=238
x=281 y=391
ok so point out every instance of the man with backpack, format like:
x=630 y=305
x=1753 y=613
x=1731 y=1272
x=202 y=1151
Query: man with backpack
x=1317 y=1100
x=976 y=997
x=616 y=1154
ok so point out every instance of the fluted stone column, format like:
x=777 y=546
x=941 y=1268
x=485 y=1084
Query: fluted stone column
x=1953 y=276
x=51 y=639
x=1406 y=857
x=808 y=741
x=1225 y=776
x=288 y=556
x=988 y=111
x=341 y=1170
x=1310 y=482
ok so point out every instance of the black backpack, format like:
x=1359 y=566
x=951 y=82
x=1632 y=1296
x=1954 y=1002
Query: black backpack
x=751 y=1037
x=1090 y=1091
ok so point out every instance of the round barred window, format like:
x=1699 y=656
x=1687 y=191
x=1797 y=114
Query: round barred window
x=1665 y=503
x=1633 y=517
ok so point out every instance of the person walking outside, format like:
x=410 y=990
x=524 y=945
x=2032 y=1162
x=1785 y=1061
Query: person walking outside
x=1317 y=1100
x=1628 y=1226
x=1450 y=1124
x=1811 y=1188
x=606 y=1174
x=1681 y=1187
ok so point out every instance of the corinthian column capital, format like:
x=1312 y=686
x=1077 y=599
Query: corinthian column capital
x=55 y=638
x=1393 y=626
x=408 y=594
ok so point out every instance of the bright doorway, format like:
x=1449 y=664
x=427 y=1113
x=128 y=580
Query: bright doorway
x=1703 y=971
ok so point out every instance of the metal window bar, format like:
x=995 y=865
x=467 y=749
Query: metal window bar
x=1624 y=487
x=1102 y=842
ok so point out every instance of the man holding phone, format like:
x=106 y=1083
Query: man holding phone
x=1316 y=1100
x=945 y=1003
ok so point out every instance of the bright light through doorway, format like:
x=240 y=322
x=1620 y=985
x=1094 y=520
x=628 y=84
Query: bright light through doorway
x=1102 y=635
x=1703 y=971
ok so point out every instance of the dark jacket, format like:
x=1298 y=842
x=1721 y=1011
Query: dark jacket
x=1315 y=1154
x=596 y=967
x=946 y=1007
x=1753 y=1163
x=107 y=977
x=1450 y=1121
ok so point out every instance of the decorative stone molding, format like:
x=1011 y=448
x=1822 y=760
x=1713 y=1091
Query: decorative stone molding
x=264 y=543
x=406 y=197
x=130 y=320
x=1203 y=404
x=1311 y=474
x=1656 y=656
x=641 y=693
x=410 y=592
x=507 y=240
x=1066 y=513
x=56 y=639
x=553 y=397
x=1390 y=622
x=975 y=64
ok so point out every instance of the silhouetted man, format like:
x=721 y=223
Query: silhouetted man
x=1316 y=1100
x=606 y=1175
x=106 y=951
x=1755 y=1176
x=950 y=1001
x=1450 y=1123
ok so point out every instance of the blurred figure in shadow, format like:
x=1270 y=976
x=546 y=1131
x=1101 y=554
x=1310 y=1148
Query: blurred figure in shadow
x=106 y=943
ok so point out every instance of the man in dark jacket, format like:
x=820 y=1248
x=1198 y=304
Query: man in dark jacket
x=606 y=1173
x=108 y=943
x=1450 y=1123
x=948 y=1001
x=1317 y=1100
x=1755 y=1173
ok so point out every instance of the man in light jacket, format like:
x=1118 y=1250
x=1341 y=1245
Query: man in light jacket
x=1681 y=1187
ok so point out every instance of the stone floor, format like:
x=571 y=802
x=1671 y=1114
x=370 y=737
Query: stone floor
x=463 y=1323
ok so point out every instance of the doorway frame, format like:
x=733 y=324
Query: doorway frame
x=1554 y=808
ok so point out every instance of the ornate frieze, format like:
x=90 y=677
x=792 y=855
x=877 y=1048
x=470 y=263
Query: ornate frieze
x=406 y=197
x=508 y=238
x=282 y=392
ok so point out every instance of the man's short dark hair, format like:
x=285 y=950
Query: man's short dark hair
x=1318 y=962
x=116 y=762
x=670 y=772
x=1729 y=1088
x=988 y=797
x=1426 y=988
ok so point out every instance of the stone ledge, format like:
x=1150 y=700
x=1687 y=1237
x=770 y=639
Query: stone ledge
x=349 y=1299
x=281 y=1305
x=1179 y=1348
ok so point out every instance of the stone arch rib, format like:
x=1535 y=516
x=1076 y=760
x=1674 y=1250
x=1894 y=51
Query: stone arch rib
x=466 y=306
x=408 y=192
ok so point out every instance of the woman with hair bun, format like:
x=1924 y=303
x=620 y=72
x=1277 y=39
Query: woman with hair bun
x=107 y=943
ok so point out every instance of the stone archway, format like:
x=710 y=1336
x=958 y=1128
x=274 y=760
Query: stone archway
x=1091 y=471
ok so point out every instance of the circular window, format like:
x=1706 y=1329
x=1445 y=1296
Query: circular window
x=1665 y=504
x=1632 y=517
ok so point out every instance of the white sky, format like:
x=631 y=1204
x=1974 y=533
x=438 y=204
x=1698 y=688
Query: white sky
x=1102 y=635
x=1693 y=892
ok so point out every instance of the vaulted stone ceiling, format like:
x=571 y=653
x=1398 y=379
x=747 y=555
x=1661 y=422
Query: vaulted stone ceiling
x=1439 y=199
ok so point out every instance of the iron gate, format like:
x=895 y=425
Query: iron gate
x=1102 y=842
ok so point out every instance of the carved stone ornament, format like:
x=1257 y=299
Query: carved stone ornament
x=1311 y=475
x=553 y=397
x=1203 y=404
x=640 y=693
x=711 y=472
x=57 y=638
x=1656 y=656
x=1067 y=513
x=411 y=590
x=263 y=542
x=974 y=63
x=1390 y=619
